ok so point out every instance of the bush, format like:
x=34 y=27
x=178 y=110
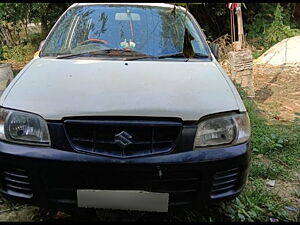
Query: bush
x=19 y=52
x=278 y=31
x=1 y=53
x=35 y=40
x=271 y=24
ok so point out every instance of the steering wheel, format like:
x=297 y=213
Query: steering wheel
x=95 y=40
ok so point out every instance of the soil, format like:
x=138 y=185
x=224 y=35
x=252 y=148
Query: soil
x=287 y=191
x=15 y=65
x=277 y=91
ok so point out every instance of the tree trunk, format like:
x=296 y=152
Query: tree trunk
x=2 y=36
x=44 y=27
x=7 y=34
x=296 y=13
x=25 y=23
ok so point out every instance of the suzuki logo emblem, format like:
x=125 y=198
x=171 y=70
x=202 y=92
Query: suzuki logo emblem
x=123 y=139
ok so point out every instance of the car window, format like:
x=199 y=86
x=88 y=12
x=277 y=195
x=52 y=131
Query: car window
x=150 y=30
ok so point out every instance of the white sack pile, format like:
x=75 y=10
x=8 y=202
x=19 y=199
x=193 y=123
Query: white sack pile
x=286 y=52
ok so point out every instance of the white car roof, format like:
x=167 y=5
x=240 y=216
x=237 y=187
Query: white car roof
x=123 y=3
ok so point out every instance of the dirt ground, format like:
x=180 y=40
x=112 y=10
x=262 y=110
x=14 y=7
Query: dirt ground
x=15 y=65
x=277 y=91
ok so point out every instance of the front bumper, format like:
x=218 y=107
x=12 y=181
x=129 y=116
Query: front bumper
x=49 y=177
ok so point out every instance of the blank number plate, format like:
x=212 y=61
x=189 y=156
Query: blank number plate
x=123 y=199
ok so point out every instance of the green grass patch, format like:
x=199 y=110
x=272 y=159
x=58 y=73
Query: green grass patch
x=297 y=193
x=256 y=203
x=270 y=171
x=257 y=54
x=275 y=156
x=279 y=142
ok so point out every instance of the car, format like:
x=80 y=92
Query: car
x=125 y=106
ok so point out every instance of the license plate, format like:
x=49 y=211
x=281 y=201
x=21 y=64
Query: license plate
x=123 y=199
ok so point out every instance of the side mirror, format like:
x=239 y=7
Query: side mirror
x=41 y=44
x=215 y=49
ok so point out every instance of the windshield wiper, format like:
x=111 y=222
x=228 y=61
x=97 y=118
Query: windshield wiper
x=180 y=54
x=64 y=56
x=100 y=52
x=174 y=55
x=140 y=57
x=156 y=57
x=135 y=55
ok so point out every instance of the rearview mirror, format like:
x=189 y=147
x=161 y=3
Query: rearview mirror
x=215 y=49
x=127 y=16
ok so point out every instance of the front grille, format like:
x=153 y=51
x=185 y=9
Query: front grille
x=123 y=139
x=225 y=181
x=15 y=181
x=182 y=182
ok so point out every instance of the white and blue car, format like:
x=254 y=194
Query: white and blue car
x=125 y=107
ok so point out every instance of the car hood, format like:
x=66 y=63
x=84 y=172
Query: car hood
x=57 y=88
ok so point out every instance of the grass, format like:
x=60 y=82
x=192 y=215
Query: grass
x=270 y=171
x=297 y=193
x=276 y=154
x=256 y=54
x=256 y=204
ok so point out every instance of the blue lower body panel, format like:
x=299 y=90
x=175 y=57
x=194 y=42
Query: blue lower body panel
x=50 y=178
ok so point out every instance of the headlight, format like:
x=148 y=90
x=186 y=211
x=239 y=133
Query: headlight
x=21 y=127
x=223 y=130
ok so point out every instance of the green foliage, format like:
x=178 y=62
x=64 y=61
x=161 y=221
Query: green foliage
x=15 y=17
x=268 y=171
x=264 y=23
x=297 y=193
x=1 y=9
x=297 y=117
x=255 y=204
x=259 y=19
x=271 y=23
x=1 y=53
x=278 y=30
x=54 y=11
x=35 y=39
x=19 y=52
x=212 y=17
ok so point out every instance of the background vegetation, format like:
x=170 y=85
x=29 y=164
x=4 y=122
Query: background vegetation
x=276 y=147
x=265 y=23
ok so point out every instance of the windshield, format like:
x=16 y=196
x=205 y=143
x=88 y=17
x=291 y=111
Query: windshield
x=145 y=29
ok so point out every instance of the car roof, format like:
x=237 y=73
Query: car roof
x=133 y=4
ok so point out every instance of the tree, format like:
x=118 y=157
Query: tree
x=47 y=14
x=14 y=16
